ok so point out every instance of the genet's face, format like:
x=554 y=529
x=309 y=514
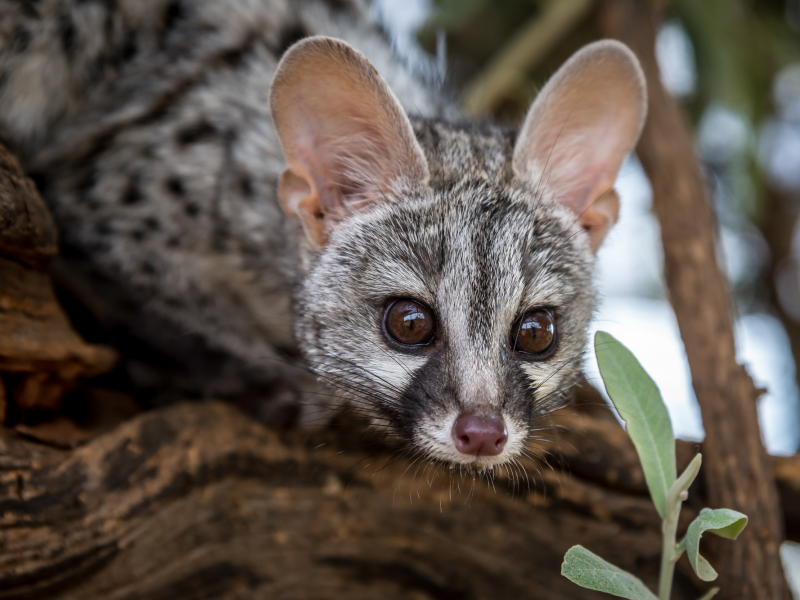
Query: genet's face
x=450 y=293
x=454 y=319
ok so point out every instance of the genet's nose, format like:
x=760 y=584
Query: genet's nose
x=480 y=435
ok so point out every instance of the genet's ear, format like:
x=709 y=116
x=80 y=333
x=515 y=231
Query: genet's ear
x=580 y=129
x=346 y=138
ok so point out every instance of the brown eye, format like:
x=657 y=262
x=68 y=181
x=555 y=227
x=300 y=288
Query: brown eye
x=536 y=333
x=409 y=323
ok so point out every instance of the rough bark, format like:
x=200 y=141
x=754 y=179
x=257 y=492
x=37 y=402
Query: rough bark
x=41 y=356
x=736 y=467
x=200 y=501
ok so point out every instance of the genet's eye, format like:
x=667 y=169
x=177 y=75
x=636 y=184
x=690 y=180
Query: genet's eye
x=535 y=334
x=409 y=322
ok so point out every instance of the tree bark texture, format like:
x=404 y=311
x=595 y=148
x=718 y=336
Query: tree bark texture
x=200 y=501
x=735 y=467
x=41 y=356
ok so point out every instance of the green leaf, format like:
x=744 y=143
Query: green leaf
x=639 y=403
x=723 y=522
x=686 y=479
x=709 y=594
x=590 y=571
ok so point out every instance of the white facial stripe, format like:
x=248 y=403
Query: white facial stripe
x=393 y=371
x=545 y=376
x=476 y=384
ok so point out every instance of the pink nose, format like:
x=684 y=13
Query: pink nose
x=480 y=435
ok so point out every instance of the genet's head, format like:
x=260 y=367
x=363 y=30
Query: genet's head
x=449 y=268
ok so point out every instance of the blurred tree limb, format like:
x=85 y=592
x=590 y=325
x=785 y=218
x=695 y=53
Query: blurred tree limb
x=737 y=471
x=508 y=70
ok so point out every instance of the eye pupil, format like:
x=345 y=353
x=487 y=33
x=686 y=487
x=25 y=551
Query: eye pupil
x=535 y=333
x=409 y=323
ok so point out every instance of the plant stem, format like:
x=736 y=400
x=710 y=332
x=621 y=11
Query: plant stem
x=669 y=531
x=669 y=528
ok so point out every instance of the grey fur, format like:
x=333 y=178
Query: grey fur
x=480 y=248
x=146 y=124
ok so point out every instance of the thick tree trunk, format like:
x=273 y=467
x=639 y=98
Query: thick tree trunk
x=736 y=467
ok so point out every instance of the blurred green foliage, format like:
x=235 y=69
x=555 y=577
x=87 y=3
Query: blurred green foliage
x=739 y=46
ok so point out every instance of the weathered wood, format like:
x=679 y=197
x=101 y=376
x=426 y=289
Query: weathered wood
x=198 y=500
x=736 y=467
x=37 y=342
x=27 y=231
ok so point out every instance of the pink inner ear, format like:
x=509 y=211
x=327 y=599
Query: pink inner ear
x=582 y=126
x=341 y=126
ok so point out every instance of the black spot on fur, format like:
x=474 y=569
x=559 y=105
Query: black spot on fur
x=138 y=235
x=104 y=227
x=176 y=187
x=130 y=47
x=133 y=195
x=192 y=209
x=149 y=268
x=246 y=185
x=174 y=242
x=152 y=224
x=87 y=183
x=289 y=36
x=68 y=34
x=173 y=15
x=3 y=78
x=22 y=39
x=29 y=9
x=198 y=132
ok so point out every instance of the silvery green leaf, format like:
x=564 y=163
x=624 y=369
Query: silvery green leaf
x=639 y=403
x=709 y=594
x=590 y=571
x=723 y=522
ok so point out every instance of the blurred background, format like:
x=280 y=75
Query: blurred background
x=734 y=65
